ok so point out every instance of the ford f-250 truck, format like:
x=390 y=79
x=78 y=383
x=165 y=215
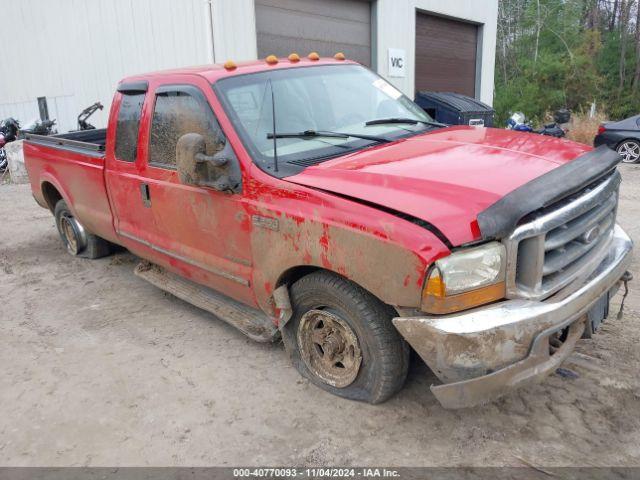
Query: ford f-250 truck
x=309 y=200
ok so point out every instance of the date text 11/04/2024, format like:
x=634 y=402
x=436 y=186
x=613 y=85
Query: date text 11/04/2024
x=319 y=472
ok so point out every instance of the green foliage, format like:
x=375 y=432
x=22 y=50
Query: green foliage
x=563 y=54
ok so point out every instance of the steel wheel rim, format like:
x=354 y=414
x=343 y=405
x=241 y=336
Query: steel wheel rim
x=69 y=232
x=629 y=151
x=329 y=348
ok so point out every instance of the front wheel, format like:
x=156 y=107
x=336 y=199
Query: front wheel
x=341 y=338
x=629 y=150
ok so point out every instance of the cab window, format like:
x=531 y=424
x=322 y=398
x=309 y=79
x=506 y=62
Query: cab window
x=128 y=125
x=180 y=110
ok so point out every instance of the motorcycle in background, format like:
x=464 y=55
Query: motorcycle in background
x=8 y=133
x=10 y=129
x=39 y=127
x=518 y=122
x=83 y=118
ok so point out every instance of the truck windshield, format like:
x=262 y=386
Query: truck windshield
x=320 y=112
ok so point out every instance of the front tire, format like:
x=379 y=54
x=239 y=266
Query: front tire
x=341 y=338
x=77 y=240
x=629 y=150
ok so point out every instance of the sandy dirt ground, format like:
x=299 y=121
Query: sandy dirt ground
x=99 y=368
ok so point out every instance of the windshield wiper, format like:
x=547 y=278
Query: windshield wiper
x=409 y=121
x=328 y=134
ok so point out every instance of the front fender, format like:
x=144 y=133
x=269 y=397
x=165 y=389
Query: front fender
x=389 y=270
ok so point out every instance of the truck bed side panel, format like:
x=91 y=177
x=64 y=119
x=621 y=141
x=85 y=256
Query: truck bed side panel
x=78 y=177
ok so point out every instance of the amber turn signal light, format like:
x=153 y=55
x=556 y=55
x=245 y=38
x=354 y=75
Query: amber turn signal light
x=463 y=301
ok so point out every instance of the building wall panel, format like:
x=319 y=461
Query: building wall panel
x=396 y=28
x=75 y=51
x=303 y=26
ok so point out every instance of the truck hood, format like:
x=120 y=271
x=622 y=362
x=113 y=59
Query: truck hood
x=446 y=177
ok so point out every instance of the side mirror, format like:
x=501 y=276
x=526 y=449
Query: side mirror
x=219 y=171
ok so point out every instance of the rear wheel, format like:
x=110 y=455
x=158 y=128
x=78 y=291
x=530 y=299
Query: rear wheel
x=75 y=237
x=629 y=150
x=341 y=338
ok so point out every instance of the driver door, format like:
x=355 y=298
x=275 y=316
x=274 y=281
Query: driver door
x=201 y=233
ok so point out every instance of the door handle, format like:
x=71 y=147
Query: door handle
x=146 y=194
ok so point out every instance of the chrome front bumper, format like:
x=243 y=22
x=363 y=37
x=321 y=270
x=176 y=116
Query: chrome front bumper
x=483 y=353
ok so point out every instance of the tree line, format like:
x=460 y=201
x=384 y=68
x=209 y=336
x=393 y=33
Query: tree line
x=568 y=53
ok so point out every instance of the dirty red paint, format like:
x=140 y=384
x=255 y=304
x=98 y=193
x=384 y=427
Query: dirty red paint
x=307 y=258
x=324 y=239
x=299 y=220
x=325 y=261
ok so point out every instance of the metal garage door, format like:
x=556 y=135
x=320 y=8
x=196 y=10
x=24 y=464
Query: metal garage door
x=323 y=26
x=445 y=55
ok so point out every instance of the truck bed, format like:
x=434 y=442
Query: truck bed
x=71 y=165
x=87 y=142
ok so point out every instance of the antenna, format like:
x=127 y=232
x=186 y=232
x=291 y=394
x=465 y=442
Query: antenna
x=275 y=140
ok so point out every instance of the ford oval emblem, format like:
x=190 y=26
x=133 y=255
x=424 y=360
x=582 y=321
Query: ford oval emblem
x=590 y=235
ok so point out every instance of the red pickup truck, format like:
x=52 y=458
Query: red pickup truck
x=309 y=200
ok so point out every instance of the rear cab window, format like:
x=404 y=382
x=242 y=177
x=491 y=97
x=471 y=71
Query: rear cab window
x=128 y=126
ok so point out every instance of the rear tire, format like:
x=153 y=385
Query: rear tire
x=341 y=338
x=77 y=240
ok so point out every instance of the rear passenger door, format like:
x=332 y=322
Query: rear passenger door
x=124 y=178
x=204 y=233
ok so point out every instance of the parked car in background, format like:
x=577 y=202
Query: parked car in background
x=623 y=137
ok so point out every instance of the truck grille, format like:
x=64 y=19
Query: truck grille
x=566 y=241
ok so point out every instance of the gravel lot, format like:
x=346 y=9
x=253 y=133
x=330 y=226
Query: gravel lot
x=100 y=368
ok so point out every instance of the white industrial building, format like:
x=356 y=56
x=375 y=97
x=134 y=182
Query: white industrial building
x=73 y=52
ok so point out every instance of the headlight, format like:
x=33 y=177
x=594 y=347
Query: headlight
x=466 y=279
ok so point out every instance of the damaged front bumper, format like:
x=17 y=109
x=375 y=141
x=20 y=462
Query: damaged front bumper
x=484 y=353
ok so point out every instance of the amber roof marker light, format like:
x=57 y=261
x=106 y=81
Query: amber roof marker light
x=314 y=56
x=294 y=58
x=271 y=59
x=230 y=65
x=339 y=56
